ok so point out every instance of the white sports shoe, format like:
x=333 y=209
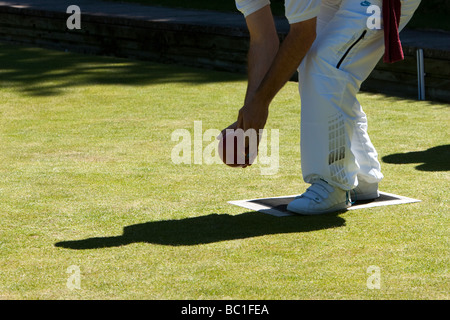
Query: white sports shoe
x=365 y=191
x=320 y=198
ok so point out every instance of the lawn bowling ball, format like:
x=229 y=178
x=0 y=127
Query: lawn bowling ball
x=232 y=150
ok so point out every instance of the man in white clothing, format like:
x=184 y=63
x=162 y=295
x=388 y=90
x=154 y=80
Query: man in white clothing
x=338 y=158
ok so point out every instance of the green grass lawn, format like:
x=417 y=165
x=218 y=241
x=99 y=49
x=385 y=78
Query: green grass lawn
x=87 y=180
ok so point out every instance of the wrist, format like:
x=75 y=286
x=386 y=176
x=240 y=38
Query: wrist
x=261 y=101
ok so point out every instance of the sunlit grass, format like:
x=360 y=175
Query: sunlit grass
x=87 y=179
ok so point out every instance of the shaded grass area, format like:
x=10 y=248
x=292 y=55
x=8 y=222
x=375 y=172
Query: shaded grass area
x=37 y=74
x=432 y=159
x=206 y=229
x=87 y=179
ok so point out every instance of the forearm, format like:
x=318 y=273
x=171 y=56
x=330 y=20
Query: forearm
x=289 y=56
x=264 y=45
x=260 y=58
x=254 y=113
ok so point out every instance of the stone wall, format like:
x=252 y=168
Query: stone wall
x=216 y=48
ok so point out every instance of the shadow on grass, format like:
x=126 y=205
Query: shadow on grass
x=433 y=159
x=41 y=72
x=208 y=229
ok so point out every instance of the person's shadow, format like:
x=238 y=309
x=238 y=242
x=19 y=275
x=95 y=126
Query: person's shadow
x=208 y=229
x=433 y=159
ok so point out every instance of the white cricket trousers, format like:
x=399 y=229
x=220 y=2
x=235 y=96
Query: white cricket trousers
x=335 y=145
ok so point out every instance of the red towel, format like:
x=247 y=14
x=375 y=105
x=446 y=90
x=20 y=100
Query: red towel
x=391 y=18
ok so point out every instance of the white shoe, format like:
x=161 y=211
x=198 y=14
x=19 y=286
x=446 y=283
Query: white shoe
x=365 y=191
x=320 y=198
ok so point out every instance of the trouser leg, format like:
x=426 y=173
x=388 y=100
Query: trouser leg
x=335 y=145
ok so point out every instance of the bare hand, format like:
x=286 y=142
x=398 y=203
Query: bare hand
x=251 y=117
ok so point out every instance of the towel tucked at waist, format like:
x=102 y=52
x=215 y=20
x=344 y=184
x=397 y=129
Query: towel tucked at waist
x=392 y=10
